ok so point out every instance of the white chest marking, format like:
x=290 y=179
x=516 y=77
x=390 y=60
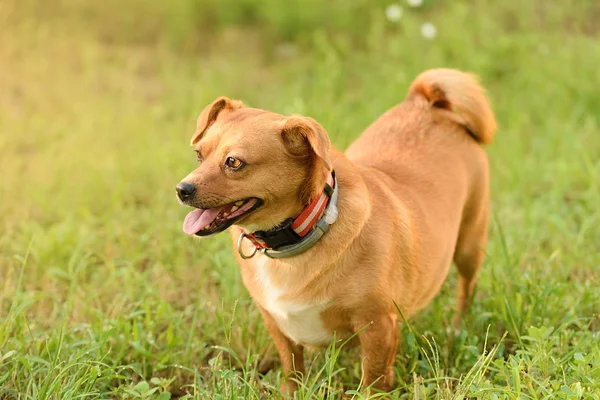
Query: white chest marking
x=300 y=322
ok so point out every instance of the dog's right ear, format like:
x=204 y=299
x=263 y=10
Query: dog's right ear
x=210 y=113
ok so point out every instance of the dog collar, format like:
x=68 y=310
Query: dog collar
x=296 y=235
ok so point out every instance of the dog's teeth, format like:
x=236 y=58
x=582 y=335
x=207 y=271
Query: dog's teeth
x=232 y=209
x=226 y=213
x=239 y=203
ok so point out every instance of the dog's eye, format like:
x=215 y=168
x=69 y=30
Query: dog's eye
x=198 y=155
x=234 y=163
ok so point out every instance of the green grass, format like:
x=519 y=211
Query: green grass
x=103 y=297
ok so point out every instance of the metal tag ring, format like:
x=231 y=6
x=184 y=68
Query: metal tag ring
x=239 y=247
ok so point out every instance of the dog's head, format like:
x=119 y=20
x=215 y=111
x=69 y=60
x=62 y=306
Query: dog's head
x=255 y=168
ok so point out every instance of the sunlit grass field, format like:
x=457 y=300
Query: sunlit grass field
x=103 y=297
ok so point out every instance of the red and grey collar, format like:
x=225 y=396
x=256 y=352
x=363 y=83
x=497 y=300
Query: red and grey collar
x=296 y=235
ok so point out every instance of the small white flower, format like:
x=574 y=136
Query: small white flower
x=414 y=3
x=393 y=12
x=287 y=50
x=428 y=30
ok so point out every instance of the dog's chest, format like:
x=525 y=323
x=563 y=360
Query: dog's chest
x=301 y=322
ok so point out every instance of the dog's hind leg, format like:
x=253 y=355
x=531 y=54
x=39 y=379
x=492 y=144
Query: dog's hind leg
x=468 y=257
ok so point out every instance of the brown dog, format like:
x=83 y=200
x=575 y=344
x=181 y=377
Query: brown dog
x=324 y=253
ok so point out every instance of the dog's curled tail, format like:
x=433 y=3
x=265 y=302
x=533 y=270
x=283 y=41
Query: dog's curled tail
x=460 y=93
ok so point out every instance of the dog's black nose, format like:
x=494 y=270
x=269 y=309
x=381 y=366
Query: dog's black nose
x=185 y=191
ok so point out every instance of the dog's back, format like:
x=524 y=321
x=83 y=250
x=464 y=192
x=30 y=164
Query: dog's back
x=437 y=98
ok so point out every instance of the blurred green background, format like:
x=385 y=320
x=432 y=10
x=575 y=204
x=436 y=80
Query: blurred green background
x=103 y=296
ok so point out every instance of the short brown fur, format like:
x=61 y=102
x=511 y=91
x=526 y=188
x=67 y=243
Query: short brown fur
x=413 y=198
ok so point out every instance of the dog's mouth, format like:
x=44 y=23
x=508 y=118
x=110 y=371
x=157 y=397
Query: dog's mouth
x=204 y=222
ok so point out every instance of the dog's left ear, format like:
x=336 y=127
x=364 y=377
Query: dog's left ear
x=210 y=113
x=298 y=131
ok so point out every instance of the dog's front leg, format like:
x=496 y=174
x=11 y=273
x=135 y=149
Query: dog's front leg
x=290 y=354
x=379 y=341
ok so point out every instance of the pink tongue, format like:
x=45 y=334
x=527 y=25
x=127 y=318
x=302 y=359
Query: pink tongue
x=199 y=218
